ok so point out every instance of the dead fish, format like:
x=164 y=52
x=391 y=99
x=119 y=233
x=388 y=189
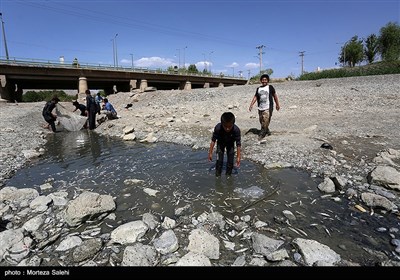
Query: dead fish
x=302 y=231
x=312 y=202
x=292 y=229
x=271 y=230
x=327 y=231
x=300 y=213
x=241 y=232
x=242 y=250
x=324 y=214
x=292 y=203
x=229 y=221
x=360 y=208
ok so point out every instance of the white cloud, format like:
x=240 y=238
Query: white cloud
x=154 y=62
x=234 y=64
x=252 y=65
x=203 y=64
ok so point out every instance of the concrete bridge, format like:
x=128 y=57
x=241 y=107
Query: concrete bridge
x=18 y=75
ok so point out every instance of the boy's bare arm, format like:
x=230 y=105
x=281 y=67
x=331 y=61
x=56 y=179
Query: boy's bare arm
x=252 y=103
x=277 y=102
x=238 y=155
x=210 y=151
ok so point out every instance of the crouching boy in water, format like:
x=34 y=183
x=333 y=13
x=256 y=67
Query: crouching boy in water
x=48 y=114
x=226 y=133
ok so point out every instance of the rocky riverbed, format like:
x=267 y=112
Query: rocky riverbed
x=358 y=117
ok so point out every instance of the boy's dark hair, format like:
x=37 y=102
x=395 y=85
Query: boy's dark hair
x=228 y=117
x=264 y=76
x=87 y=91
x=105 y=100
x=55 y=98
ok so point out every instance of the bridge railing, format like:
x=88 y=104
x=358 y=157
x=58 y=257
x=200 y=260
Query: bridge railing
x=34 y=62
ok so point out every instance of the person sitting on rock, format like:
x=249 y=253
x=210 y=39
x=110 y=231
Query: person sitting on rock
x=109 y=110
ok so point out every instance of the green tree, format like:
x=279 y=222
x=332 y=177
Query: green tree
x=256 y=78
x=371 y=48
x=192 y=69
x=268 y=71
x=352 y=52
x=389 y=42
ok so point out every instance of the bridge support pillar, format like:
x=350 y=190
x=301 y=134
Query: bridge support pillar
x=143 y=85
x=7 y=89
x=206 y=85
x=221 y=85
x=132 y=84
x=83 y=86
x=188 y=85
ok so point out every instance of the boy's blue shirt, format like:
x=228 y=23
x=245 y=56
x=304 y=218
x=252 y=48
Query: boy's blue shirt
x=110 y=107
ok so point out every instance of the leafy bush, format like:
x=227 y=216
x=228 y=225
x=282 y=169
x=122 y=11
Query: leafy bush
x=37 y=96
x=378 y=68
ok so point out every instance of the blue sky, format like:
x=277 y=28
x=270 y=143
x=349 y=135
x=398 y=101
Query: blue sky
x=220 y=35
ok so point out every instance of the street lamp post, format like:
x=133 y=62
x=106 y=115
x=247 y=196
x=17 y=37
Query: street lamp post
x=205 y=65
x=184 y=63
x=4 y=36
x=132 y=59
x=113 y=51
x=116 y=50
x=209 y=58
x=179 y=59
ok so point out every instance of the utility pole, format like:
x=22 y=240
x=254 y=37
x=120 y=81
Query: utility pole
x=260 y=49
x=4 y=36
x=302 y=61
x=344 y=52
x=132 y=59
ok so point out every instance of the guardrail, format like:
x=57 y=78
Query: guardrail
x=91 y=66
